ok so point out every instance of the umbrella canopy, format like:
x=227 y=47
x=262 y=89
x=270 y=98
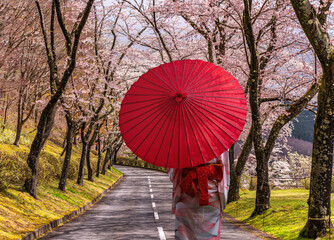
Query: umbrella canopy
x=182 y=114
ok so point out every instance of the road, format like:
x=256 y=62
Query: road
x=138 y=208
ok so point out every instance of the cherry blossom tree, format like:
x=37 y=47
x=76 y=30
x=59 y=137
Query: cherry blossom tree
x=108 y=66
x=315 y=17
x=258 y=62
x=21 y=78
x=58 y=79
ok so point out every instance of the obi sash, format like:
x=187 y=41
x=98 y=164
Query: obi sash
x=196 y=179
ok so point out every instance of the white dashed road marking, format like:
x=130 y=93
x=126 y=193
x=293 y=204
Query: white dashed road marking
x=156 y=215
x=161 y=233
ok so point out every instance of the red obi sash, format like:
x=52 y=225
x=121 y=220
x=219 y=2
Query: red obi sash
x=196 y=179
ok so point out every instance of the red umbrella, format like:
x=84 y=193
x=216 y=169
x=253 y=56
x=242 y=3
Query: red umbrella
x=182 y=114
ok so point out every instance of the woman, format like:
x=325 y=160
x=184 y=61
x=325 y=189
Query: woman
x=199 y=197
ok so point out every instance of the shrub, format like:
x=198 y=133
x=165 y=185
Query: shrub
x=7 y=136
x=137 y=163
x=12 y=170
x=50 y=166
x=73 y=170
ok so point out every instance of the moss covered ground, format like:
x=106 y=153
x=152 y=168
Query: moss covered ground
x=286 y=217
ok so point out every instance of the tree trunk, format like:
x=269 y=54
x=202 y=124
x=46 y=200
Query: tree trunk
x=89 y=147
x=116 y=151
x=43 y=131
x=105 y=162
x=233 y=193
x=99 y=156
x=233 y=175
x=262 y=202
x=83 y=157
x=19 y=119
x=110 y=159
x=3 y=127
x=262 y=190
x=89 y=164
x=75 y=139
x=314 y=25
x=82 y=164
x=322 y=161
x=67 y=159
x=19 y=127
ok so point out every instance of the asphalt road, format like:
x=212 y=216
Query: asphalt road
x=138 y=208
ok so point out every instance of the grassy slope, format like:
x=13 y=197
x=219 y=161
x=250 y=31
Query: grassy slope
x=285 y=219
x=19 y=212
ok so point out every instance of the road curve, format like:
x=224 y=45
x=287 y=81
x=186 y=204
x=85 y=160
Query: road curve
x=138 y=208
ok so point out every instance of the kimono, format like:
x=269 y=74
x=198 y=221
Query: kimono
x=198 y=203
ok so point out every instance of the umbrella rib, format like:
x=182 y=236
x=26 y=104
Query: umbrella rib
x=159 y=131
x=152 y=109
x=177 y=82
x=195 y=113
x=141 y=120
x=192 y=128
x=190 y=73
x=156 y=156
x=134 y=85
x=143 y=94
x=210 y=129
x=153 y=99
x=171 y=88
x=240 y=98
x=224 y=104
x=190 y=83
x=211 y=86
x=153 y=83
x=218 y=109
x=144 y=126
x=184 y=67
x=162 y=115
x=222 y=90
x=219 y=127
x=179 y=147
x=170 y=144
x=150 y=105
x=163 y=68
x=185 y=130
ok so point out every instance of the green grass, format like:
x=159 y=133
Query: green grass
x=286 y=217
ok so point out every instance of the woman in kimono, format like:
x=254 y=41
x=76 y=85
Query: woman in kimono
x=199 y=197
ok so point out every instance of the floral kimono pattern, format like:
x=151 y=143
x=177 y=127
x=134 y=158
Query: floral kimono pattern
x=198 y=218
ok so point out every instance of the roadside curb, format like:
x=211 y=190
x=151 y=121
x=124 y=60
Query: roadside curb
x=248 y=228
x=55 y=223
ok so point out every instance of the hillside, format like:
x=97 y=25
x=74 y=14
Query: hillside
x=304 y=126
